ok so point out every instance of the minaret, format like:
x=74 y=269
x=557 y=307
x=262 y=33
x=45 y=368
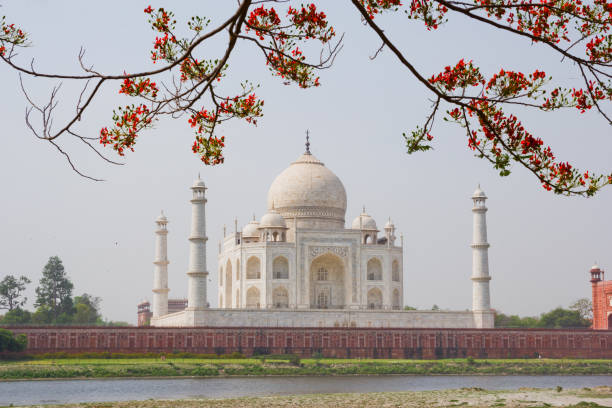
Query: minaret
x=481 y=300
x=197 y=273
x=160 y=275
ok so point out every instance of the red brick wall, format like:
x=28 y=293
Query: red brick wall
x=602 y=305
x=331 y=342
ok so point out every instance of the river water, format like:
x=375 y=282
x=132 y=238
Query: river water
x=73 y=391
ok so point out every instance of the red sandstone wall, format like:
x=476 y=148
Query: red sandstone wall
x=331 y=342
x=602 y=307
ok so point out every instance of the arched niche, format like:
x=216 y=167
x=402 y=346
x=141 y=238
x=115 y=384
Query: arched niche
x=374 y=299
x=228 y=284
x=280 y=268
x=396 y=299
x=374 y=269
x=395 y=272
x=253 y=299
x=280 y=298
x=253 y=268
x=327 y=282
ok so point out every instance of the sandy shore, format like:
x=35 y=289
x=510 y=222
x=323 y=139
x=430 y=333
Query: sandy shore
x=523 y=397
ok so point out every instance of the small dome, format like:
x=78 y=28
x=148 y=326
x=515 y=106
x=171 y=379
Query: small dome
x=162 y=218
x=250 y=230
x=479 y=193
x=272 y=220
x=198 y=183
x=364 y=222
x=389 y=224
x=595 y=268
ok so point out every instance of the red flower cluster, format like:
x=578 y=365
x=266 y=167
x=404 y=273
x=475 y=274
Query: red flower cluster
x=461 y=75
x=191 y=68
x=210 y=149
x=432 y=13
x=241 y=107
x=292 y=69
x=263 y=20
x=128 y=122
x=509 y=83
x=9 y=34
x=139 y=87
x=310 y=23
x=374 y=7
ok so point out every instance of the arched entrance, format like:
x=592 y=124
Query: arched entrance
x=610 y=322
x=252 y=298
x=327 y=282
x=228 y=284
x=374 y=299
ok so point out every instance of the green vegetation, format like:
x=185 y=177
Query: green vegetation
x=577 y=316
x=54 y=302
x=10 y=343
x=180 y=365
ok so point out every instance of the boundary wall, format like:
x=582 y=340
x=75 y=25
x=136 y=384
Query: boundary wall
x=329 y=341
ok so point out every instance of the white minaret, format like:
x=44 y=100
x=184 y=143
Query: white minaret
x=197 y=273
x=160 y=275
x=481 y=299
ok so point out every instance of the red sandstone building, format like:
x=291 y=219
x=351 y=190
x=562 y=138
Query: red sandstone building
x=602 y=300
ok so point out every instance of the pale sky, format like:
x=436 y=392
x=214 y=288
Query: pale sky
x=542 y=245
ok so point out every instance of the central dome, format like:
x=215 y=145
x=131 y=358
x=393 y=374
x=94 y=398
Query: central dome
x=308 y=189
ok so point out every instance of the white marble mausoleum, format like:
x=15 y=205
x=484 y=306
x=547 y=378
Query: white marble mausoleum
x=299 y=265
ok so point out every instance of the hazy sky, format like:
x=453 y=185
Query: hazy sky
x=542 y=245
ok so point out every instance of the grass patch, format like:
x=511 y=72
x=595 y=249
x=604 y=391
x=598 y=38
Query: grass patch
x=173 y=366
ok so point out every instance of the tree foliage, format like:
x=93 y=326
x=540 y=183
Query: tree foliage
x=187 y=81
x=16 y=316
x=555 y=319
x=11 y=289
x=54 y=293
x=10 y=342
x=584 y=306
x=86 y=310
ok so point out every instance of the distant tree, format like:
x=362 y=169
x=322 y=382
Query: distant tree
x=502 y=320
x=563 y=318
x=86 y=310
x=55 y=290
x=435 y=307
x=16 y=316
x=8 y=341
x=584 y=306
x=116 y=324
x=43 y=315
x=10 y=292
x=409 y=308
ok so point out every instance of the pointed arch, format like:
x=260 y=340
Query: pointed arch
x=395 y=272
x=253 y=268
x=280 y=298
x=237 y=269
x=253 y=299
x=374 y=269
x=280 y=268
x=374 y=299
x=396 y=299
x=228 y=284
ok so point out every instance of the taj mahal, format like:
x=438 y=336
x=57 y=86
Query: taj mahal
x=300 y=266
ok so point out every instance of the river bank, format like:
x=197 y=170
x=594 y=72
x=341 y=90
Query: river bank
x=179 y=367
x=595 y=397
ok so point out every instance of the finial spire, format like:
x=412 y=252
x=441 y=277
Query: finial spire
x=363 y=210
x=253 y=216
x=307 y=141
